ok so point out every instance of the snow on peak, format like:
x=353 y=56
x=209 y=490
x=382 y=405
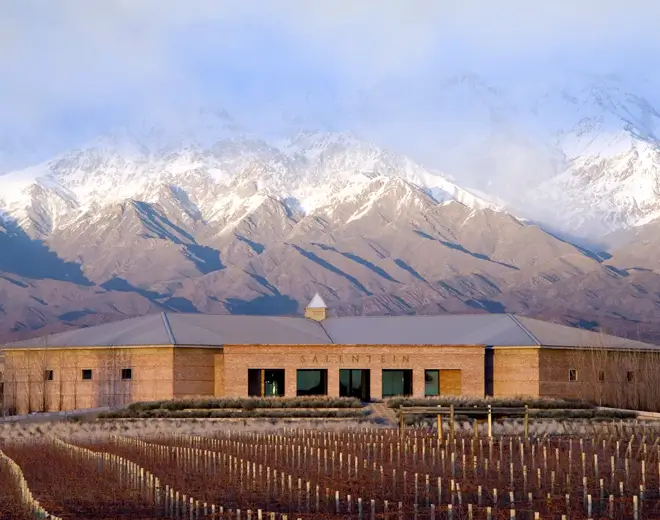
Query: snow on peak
x=223 y=170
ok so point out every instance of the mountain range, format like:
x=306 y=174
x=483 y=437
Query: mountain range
x=202 y=214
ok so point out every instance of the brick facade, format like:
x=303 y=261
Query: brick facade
x=614 y=378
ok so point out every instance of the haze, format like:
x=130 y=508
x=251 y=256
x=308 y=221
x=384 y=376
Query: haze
x=72 y=69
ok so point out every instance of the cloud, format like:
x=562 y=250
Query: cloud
x=72 y=63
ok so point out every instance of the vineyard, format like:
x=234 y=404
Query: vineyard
x=607 y=471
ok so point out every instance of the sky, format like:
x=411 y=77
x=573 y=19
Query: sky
x=73 y=68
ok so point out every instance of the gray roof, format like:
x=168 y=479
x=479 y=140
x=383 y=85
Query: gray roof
x=227 y=329
x=555 y=335
x=444 y=329
x=143 y=330
x=218 y=330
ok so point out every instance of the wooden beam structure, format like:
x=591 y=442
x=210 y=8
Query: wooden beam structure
x=478 y=414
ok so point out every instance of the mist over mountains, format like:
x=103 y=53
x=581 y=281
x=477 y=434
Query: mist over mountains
x=545 y=205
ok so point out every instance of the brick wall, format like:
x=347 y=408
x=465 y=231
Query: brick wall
x=515 y=371
x=26 y=388
x=194 y=371
x=219 y=370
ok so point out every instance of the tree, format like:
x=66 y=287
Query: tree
x=60 y=382
x=12 y=385
x=39 y=368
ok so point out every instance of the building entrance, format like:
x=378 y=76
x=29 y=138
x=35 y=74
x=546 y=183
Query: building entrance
x=355 y=383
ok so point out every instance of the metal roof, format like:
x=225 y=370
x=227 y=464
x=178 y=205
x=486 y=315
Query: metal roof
x=143 y=330
x=207 y=330
x=556 y=335
x=444 y=329
x=227 y=329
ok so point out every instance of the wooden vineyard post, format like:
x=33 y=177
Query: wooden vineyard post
x=526 y=423
x=440 y=432
x=490 y=422
x=451 y=423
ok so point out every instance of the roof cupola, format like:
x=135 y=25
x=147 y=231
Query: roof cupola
x=316 y=309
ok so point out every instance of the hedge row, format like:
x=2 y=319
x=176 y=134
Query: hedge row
x=516 y=402
x=291 y=413
x=248 y=403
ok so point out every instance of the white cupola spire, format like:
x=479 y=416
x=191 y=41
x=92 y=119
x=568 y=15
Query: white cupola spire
x=316 y=309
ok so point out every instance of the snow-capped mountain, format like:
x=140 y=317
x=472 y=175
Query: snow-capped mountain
x=203 y=214
x=581 y=156
x=578 y=152
x=609 y=175
x=214 y=167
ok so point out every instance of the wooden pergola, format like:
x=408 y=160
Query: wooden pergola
x=478 y=414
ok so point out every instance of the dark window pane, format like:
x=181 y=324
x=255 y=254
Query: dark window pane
x=431 y=382
x=489 y=367
x=311 y=382
x=127 y=373
x=254 y=382
x=397 y=382
x=274 y=382
x=87 y=374
x=344 y=383
x=355 y=383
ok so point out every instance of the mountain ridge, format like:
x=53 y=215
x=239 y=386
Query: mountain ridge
x=212 y=218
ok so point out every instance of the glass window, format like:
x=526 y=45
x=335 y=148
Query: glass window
x=127 y=373
x=397 y=382
x=87 y=374
x=355 y=383
x=265 y=383
x=431 y=382
x=48 y=375
x=572 y=375
x=254 y=382
x=630 y=376
x=274 y=382
x=312 y=382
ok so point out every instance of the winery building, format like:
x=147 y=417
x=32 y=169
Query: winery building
x=172 y=355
